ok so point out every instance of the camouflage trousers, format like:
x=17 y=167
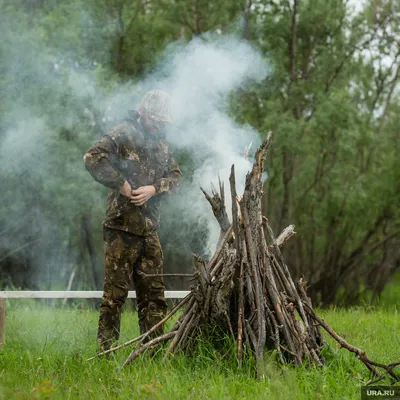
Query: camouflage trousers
x=126 y=256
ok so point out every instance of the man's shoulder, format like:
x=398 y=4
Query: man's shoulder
x=123 y=130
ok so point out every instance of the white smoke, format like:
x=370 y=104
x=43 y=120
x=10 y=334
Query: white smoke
x=199 y=75
x=202 y=75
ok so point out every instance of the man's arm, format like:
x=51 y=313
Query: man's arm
x=166 y=184
x=170 y=181
x=98 y=161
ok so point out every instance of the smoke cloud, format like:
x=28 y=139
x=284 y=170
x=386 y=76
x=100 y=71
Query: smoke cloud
x=201 y=77
x=55 y=109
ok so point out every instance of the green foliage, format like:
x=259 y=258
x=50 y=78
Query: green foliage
x=331 y=99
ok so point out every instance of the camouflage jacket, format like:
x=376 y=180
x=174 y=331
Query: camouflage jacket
x=128 y=153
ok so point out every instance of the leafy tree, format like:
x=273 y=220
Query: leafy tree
x=331 y=97
x=329 y=100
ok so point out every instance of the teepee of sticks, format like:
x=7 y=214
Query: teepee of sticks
x=246 y=289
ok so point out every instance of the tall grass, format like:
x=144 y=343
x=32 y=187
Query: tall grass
x=47 y=348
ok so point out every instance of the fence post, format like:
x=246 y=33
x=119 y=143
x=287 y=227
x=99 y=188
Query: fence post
x=2 y=322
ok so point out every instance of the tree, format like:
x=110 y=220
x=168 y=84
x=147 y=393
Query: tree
x=329 y=100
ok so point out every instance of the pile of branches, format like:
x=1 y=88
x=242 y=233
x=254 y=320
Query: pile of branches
x=246 y=289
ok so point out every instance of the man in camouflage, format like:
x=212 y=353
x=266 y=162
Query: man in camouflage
x=134 y=161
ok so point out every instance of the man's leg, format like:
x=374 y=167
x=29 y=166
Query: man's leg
x=150 y=290
x=121 y=251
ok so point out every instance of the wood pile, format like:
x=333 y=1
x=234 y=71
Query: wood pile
x=246 y=290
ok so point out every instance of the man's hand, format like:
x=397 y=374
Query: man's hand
x=142 y=194
x=126 y=189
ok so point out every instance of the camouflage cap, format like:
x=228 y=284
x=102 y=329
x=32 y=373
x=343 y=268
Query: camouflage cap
x=158 y=104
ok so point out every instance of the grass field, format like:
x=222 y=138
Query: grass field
x=47 y=347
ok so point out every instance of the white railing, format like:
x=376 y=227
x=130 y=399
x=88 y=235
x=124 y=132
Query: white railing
x=77 y=294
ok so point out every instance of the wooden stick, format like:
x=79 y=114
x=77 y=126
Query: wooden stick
x=216 y=268
x=215 y=257
x=284 y=236
x=190 y=327
x=207 y=300
x=361 y=354
x=235 y=211
x=258 y=286
x=229 y=325
x=151 y=343
x=170 y=275
x=314 y=328
x=275 y=336
x=250 y=290
x=259 y=359
x=287 y=273
x=71 y=280
x=241 y=310
x=221 y=191
x=217 y=203
x=181 y=329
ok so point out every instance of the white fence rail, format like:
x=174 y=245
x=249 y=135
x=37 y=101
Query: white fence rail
x=77 y=294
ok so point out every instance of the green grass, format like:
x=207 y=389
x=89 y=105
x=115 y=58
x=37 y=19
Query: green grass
x=47 y=347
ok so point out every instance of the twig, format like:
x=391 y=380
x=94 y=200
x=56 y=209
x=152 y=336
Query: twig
x=190 y=327
x=361 y=354
x=181 y=329
x=235 y=211
x=229 y=325
x=253 y=339
x=259 y=304
x=226 y=237
x=151 y=343
x=284 y=236
x=241 y=310
x=287 y=273
x=154 y=275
